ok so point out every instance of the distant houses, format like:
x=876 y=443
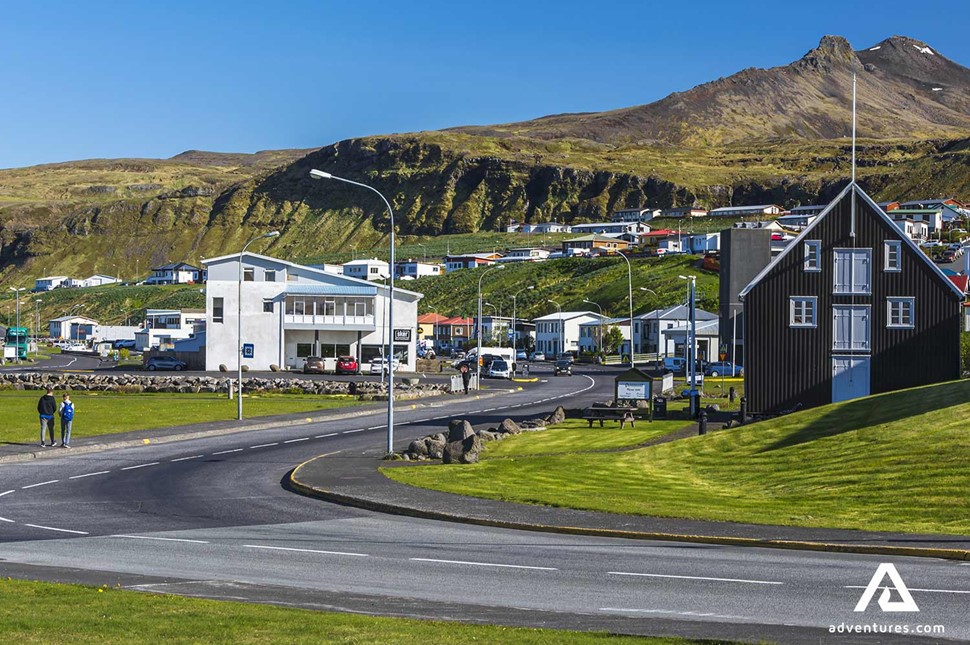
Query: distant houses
x=175 y=273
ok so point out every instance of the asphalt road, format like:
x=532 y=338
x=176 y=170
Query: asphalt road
x=210 y=517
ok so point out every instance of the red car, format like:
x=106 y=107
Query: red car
x=347 y=365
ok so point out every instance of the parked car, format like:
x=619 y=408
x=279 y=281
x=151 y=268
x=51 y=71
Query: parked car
x=948 y=256
x=678 y=365
x=498 y=368
x=313 y=365
x=521 y=355
x=380 y=365
x=165 y=363
x=537 y=356
x=347 y=365
x=564 y=365
x=122 y=343
x=724 y=368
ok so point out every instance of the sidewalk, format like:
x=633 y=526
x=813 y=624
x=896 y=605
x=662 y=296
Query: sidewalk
x=354 y=480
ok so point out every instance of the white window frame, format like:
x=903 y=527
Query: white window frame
x=793 y=301
x=813 y=256
x=852 y=277
x=888 y=246
x=903 y=301
x=852 y=340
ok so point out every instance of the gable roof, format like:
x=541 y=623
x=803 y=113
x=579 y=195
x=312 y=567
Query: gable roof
x=960 y=281
x=174 y=266
x=852 y=186
x=569 y=315
x=677 y=312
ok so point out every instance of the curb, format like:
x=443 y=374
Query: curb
x=391 y=509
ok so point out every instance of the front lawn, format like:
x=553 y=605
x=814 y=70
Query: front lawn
x=574 y=435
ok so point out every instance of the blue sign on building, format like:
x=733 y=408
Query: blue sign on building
x=249 y=350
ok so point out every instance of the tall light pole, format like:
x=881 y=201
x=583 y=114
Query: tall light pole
x=629 y=275
x=319 y=174
x=657 y=310
x=17 y=291
x=562 y=332
x=37 y=325
x=600 y=344
x=691 y=332
x=239 y=348
x=478 y=353
x=424 y=248
x=515 y=334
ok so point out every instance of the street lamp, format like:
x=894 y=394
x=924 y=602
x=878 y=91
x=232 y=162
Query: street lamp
x=17 y=291
x=515 y=334
x=478 y=353
x=37 y=325
x=657 y=309
x=691 y=338
x=629 y=275
x=562 y=332
x=319 y=174
x=424 y=249
x=598 y=307
x=239 y=349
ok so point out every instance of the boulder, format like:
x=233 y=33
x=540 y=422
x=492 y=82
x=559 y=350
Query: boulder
x=436 y=446
x=558 y=416
x=459 y=430
x=486 y=435
x=418 y=447
x=508 y=426
x=462 y=452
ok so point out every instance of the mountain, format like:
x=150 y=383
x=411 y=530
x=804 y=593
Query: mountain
x=775 y=135
x=906 y=89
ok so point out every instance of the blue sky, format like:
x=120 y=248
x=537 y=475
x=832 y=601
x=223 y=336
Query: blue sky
x=151 y=79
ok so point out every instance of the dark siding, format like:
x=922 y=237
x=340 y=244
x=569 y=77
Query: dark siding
x=786 y=366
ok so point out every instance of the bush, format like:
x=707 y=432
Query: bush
x=124 y=353
x=965 y=352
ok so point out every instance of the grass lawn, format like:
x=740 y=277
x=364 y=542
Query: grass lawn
x=100 y=413
x=894 y=462
x=39 y=612
x=574 y=435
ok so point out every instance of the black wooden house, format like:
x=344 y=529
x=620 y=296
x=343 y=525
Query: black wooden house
x=851 y=307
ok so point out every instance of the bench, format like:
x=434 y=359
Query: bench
x=601 y=414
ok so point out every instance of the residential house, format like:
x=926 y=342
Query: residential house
x=661 y=241
x=545 y=227
x=593 y=243
x=367 y=269
x=99 y=280
x=932 y=216
x=291 y=311
x=610 y=228
x=412 y=269
x=591 y=341
x=469 y=261
x=429 y=327
x=496 y=330
x=525 y=255
x=175 y=273
x=684 y=211
x=454 y=333
x=808 y=210
x=164 y=326
x=558 y=332
x=747 y=211
x=771 y=225
x=932 y=203
x=650 y=329
x=50 y=282
x=851 y=307
x=797 y=221
x=71 y=328
x=634 y=214
x=706 y=335
x=914 y=230
x=701 y=243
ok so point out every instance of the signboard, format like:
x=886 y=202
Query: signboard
x=633 y=390
x=402 y=335
x=249 y=350
x=420 y=330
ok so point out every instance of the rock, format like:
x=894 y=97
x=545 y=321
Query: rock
x=713 y=407
x=418 y=447
x=223 y=368
x=462 y=452
x=558 y=416
x=436 y=446
x=459 y=430
x=485 y=436
x=508 y=426
x=274 y=368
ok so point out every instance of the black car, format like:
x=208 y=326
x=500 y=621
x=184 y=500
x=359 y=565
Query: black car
x=564 y=365
x=165 y=363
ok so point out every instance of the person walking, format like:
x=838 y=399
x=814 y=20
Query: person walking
x=67 y=419
x=466 y=376
x=46 y=407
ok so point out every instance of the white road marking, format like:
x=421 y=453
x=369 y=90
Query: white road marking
x=53 y=481
x=161 y=539
x=375 y=427
x=295 y=440
x=264 y=445
x=353 y=431
x=100 y=472
x=484 y=564
x=225 y=452
x=489 y=410
x=331 y=434
x=956 y=591
x=671 y=612
x=283 y=548
x=3 y=519
x=662 y=575
x=419 y=421
x=154 y=463
x=6 y=492
x=51 y=528
x=186 y=458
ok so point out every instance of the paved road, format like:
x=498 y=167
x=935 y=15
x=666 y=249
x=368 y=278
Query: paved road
x=210 y=517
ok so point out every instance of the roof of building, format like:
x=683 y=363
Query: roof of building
x=960 y=281
x=594 y=238
x=703 y=328
x=67 y=318
x=476 y=256
x=660 y=232
x=174 y=266
x=569 y=315
x=746 y=208
x=457 y=320
x=52 y=277
x=364 y=262
x=431 y=318
x=677 y=312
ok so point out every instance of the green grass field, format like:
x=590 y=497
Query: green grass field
x=574 y=436
x=99 y=413
x=34 y=613
x=894 y=462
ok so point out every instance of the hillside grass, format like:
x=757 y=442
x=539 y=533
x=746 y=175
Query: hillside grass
x=35 y=613
x=893 y=462
x=575 y=436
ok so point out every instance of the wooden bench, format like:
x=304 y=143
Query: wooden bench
x=601 y=414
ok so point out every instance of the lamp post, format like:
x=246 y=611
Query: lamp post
x=17 y=291
x=424 y=249
x=629 y=275
x=515 y=334
x=562 y=332
x=37 y=325
x=478 y=352
x=657 y=310
x=600 y=344
x=691 y=332
x=239 y=349
x=319 y=174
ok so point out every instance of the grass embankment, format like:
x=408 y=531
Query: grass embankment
x=39 y=612
x=99 y=413
x=894 y=462
x=574 y=435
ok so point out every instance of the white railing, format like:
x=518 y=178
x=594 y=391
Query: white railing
x=310 y=319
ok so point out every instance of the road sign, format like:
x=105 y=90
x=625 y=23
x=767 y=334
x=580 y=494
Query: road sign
x=723 y=356
x=249 y=350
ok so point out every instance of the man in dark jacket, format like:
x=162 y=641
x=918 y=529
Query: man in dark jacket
x=46 y=408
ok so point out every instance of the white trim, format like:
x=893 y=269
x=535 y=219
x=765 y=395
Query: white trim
x=817 y=246
x=890 y=301
x=851 y=252
x=850 y=349
x=886 y=244
x=791 y=312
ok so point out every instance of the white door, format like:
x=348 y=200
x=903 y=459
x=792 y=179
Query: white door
x=850 y=377
x=851 y=328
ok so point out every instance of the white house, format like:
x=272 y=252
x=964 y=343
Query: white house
x=412 y=269
x=291 y=312
x=175 y=273
x=164 y=326
x=771 y=225
x=525 y=255
x=684 y=211
x=99 y=280
x=702 y=242
x=545 y=227
x=589 y=334
x=72 y=328
x=372 y=269
x=49 y=283
x=705 y=333
x=635 y=214
x=648 y=327
x=914 y=230
x=797 y=221
x=560 y=332
x=747 y=211
x=496 y=328
x=469 y=261
x=607 y=228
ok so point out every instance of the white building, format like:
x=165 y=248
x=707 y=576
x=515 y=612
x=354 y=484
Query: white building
x=49 y=283
x=705 y=333
x=72 y=328
x=495 y=328
x=797 y=221
x=372 y=269
x=525 y=255
x=291 y=312
x=610 y=228
x=552 y=339
x=914 y=230
x=412 y=269
x=589 y=334
x=648 y=327
x=545 y=227
x=99 y=280
x=469 y=261
x=175 y=273
x=702 y=242
x=164 y=326
x=635 y=214
x=747 y=211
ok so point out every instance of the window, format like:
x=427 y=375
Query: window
x=217 y=307
x=892 y=251
x=813 y=249
x=899 y=314
x=304 y=349
x=269 y=275
x=249 y=274
x=373 y=270
x=802 y=311
x=852 y=271
x=850 y=328
x=267 y=306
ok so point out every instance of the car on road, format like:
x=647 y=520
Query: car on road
x=123 y=343
x=347 y=365
x=521 y=355
x=564 y=365
x=948 y=256
x=165 y=363
x=380 y=365
x=678 y=365
x=724 y=368
x=498 y=368
x=313 y=365
x=537 y=356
